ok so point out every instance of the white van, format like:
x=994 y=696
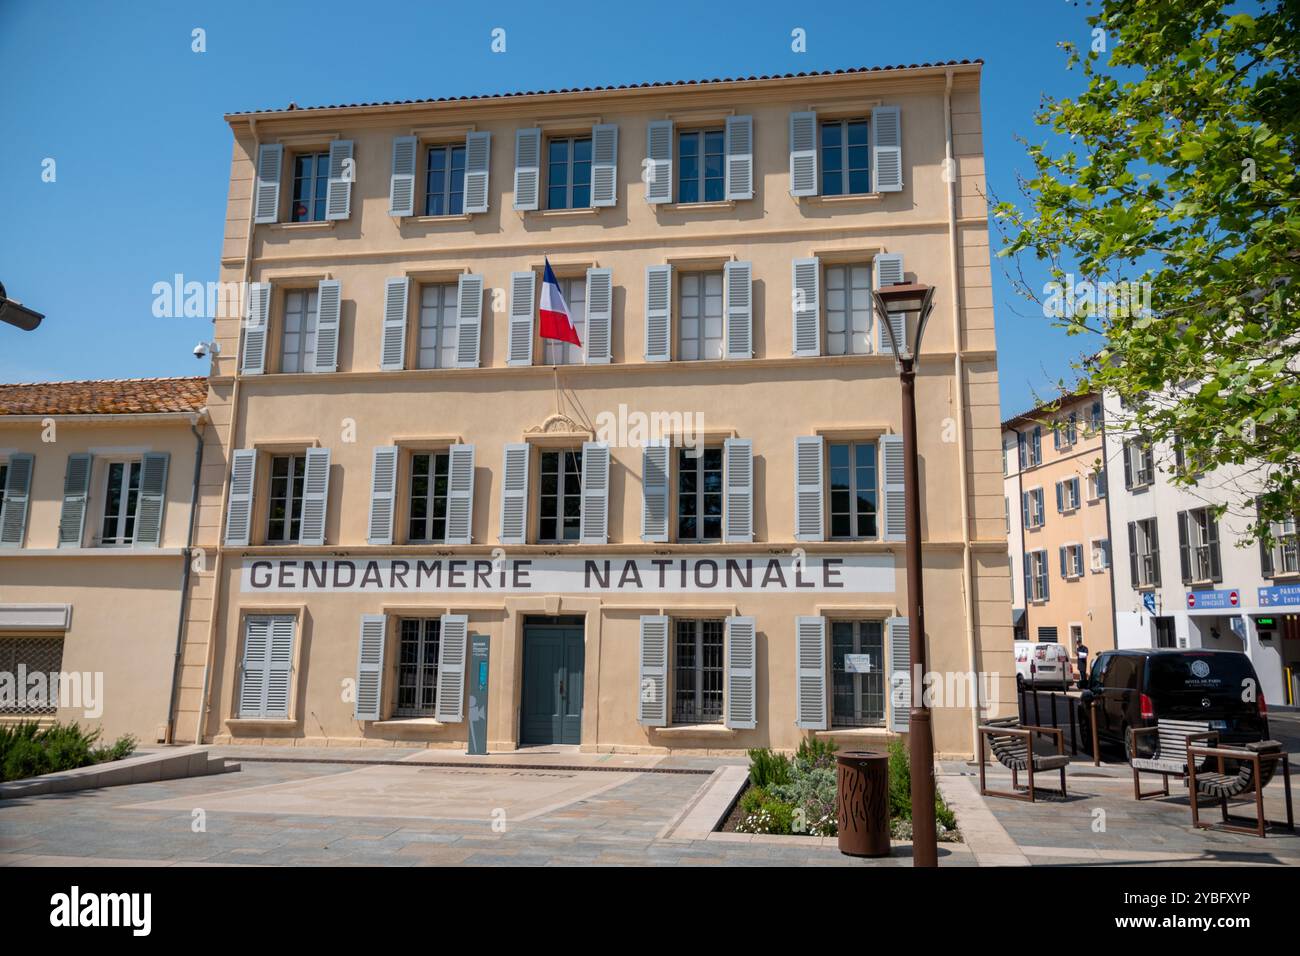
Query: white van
x=1039 y=663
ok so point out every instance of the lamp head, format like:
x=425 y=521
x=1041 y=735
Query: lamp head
x=894 y=305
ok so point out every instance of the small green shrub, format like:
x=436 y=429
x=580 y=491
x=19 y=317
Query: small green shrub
x=767 y=813
x=767 y=767
x=811 y=793
x=814 y=754
x=120 y=749
x=28 y=750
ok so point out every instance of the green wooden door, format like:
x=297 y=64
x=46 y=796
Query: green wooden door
x=552 y=691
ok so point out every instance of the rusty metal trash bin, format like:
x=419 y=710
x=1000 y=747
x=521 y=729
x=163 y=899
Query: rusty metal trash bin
x=862 y=799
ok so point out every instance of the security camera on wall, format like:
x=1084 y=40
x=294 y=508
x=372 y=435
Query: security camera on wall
x=203 y=348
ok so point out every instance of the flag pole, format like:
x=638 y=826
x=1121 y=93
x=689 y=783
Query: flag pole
x=556 y=370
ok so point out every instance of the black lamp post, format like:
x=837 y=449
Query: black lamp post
x=895 y=305
x=15 y=313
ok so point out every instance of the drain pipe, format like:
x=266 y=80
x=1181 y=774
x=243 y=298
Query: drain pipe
x=185 y=573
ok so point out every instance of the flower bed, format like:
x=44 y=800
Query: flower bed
x=27 y=750
x=797 y=795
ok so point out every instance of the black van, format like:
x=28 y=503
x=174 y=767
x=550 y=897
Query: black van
x=1137 y=687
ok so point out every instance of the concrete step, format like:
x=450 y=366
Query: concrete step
x=171 y=763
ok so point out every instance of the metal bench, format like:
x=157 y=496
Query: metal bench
x=1169 y=740
x=1257 y=764
x=1013 y=746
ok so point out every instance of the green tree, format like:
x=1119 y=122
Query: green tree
x=1175 y=168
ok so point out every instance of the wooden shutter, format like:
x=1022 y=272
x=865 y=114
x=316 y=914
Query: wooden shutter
x=1212 y=543
x=893 y=498
x=810 y=675
x=655 y=469
x=328 y=304
x=1026 y=510
x=1061 y=551
x=1060 y=498
x=1184 y=547
x=604 y=165
x=528 y=162
x=659 y=161
x=266 y=206
x=253 y=666
x=13 y=513
x=76 y=491
x=523 y=294
x=652 y=690
x=742 y=673
x=886 y=270
x=460 y=494
x=338 y=191
x=806 y=281
x=739 y=309
x=658 y=313
x=239 y=500
x=315 y=496
x=803 y=154
x=595 y=493
x=469 y=319
x=514 y=494
x=370 y=667
x=738 y=454
x=900 y=674
x=279 y=670
x=401 y=184
x=392 y=349
x=600 y=316
x=886 y=149
x=253 y=358
x=152 y=500
x=453 y=637
x=809 y=488
x=739 y=171
x=383 y=494
x=478 y=161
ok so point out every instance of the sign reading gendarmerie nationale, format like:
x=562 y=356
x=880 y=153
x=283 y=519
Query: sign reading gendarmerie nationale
x=654 y=575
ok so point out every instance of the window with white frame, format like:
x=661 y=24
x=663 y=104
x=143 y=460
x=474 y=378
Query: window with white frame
x=1198 y=545
x=698 y=669
x=701 y=175
x=1071 y=561
x=699 y=494
x=857 y=673
x=1031 y=447
x=845 y=157
x=1066 y=431
x=854 y=489
x=1036 y=586
x=31 y=655
x=1100 y=548
x=311 y=176
x=1095 y=417
x=568 y=172
x=436 y=347
x=848 y=309
x=1033 y=508
x=444 y=186
x=1067 y=495
x=1139 y=467
x=555 y=352
x=427 y=511
x=560 y=495
x=298 y=341
x=417 y=667
x=284 y=503
x=1096 y=484
x=121 y=496
x=1288 y=550
x=700 y=309
x=1144 y=553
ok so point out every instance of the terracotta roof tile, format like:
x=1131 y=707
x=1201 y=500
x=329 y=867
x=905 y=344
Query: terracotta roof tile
x=123 y=396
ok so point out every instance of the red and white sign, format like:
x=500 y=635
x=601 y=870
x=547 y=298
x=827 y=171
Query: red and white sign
x=1191 y=599
x=1234 y=598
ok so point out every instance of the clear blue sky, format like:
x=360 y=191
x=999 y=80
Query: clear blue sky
x=133 y=119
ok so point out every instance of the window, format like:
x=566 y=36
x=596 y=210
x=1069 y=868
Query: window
x=428 y=513
x=1139 y=470
x=1033 y=508
x=699 y=494
x=1288 y=552
x=1031 y=448
x=285 y=512
x=1100 y=554
x=568 y=173
x=1144 y=553
x=1067 y=495
x=853 y=489
x=848 y=310
x=566 y=353
x=437 y=345
x=700 y=176
x=1095 y=417
x=1072 y=561
x=33 y=655
x=1036 y=587
x=298 y=344
x=697 y=672
x=845 y=167
x=444 y=187
x=120 y=497
x=700 y=308
x=561 y=496
x=857 y=698
x=311 y=176
x=1006 y=512
x=1198 y=546
x=1096 y=484
x=417 y=667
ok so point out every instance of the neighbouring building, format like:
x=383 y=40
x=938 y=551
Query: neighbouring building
x=1057 y=524
x=1183 y=575
x=98 y=482
x=684 y=534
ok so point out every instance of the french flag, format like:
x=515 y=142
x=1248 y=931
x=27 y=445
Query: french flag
x=556 y=323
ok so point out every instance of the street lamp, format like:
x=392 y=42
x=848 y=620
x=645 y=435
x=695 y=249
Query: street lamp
x=895 y=304
x=15 y=313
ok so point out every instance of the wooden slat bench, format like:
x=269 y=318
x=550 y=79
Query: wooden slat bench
x=1170 y=739
x=1013 y=746
x=1258 y=763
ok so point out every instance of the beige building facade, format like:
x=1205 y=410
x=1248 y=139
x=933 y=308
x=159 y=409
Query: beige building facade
x=1058 y=524
x=98 y=481
x=685 y=534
